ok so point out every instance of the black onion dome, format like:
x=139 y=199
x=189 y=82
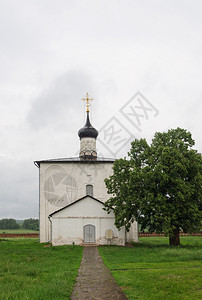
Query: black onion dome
x=88 y=130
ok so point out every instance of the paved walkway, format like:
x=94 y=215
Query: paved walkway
x=94 y=280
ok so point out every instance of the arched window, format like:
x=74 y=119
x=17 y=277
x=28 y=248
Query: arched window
x=89 y=190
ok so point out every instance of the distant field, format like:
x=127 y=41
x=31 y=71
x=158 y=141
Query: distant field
x=17 y=231
x=30 y=270
x=152 y=270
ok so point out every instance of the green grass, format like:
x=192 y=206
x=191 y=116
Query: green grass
x=29 y=270
x=153 y=270
x=18 y=231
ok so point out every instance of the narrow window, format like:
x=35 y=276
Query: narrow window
x=89 y=190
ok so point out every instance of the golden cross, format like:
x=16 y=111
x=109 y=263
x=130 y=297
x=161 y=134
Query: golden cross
x=87 y=101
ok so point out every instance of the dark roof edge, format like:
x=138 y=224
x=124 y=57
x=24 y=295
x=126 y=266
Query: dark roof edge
x=74 y=159
x=74 y=203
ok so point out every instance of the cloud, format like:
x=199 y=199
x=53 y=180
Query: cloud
x=18 y=186
x=52 y=53
x=60 y=101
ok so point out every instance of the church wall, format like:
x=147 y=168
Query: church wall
x=62 y=236
x=86 y=207
x=118 y=236
x=68 y=224
x=64 y=183
x=132 y=235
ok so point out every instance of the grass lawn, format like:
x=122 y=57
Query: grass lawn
x=29 y=270
x=153 y=270
x=18 y=231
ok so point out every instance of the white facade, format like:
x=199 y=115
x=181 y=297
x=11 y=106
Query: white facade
x=68 y=224
x=63 y=182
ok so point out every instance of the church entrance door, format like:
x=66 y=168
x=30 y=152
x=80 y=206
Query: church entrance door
x=89 y=234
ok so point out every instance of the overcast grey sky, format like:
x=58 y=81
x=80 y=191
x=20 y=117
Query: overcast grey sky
x=53 y=52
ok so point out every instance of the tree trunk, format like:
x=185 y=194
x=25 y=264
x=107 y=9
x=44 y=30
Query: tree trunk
x=174 y=239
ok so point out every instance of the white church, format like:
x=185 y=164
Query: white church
x=71 y=197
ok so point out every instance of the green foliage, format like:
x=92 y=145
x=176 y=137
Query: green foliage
x=8 y=224
x=30 y=270
x=32 y=224
x=20 y=223
x=153 y=270
x=159 y=186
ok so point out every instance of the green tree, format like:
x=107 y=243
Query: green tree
x=159 y=186
x=32 y=224
x=8 y=224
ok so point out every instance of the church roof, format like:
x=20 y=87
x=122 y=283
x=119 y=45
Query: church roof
x=75 y=159
x=74 y=203
x=88 y=130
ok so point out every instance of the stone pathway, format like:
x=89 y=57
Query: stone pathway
x=94 y=280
